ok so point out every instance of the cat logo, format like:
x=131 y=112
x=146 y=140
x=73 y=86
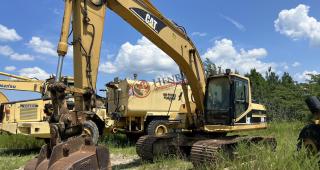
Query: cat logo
x=151 y=22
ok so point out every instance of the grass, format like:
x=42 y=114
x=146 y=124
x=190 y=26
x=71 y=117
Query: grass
x=255 y=157
x=16 y=150
x=118 y=144
x=14 y=159
x=19 y=142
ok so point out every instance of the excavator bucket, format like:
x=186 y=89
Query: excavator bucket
x=76 y=153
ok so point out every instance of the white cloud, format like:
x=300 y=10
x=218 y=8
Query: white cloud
x=34 y=72
x=142 y=57
x=46 y=47
x=297 y=24
x=21 y=57
x=200 y=34
x=42 y=46
x=145 y=57
x=108 y=67
x=285 y=66
x=10 y=68
x=6 y=50
x=9 y=52
x=224 y=54
x=302 y=77
x=57 y=11
x=7 y=34
x=234 y=22
x=70 y=51
x=296 y=64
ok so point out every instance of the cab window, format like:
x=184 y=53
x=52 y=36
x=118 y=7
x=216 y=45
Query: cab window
x=218 y=95
x=241 y=96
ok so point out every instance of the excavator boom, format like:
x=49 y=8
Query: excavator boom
x=16 y=77
x=88 y=25
x=21 y=83
x=30 y=86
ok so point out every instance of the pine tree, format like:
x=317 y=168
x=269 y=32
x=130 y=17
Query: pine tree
x=210 y=68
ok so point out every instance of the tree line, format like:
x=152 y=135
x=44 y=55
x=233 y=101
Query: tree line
x=283 y=97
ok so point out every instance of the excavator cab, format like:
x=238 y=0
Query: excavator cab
x=228 y=102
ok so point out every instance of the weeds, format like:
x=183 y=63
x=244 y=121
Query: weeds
x=19 y=142
x=254 y=157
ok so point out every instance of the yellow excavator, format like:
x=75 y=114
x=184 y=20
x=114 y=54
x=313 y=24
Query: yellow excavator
x=24 y=117
x=221 y=104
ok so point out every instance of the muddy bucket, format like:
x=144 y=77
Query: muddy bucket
x=76 y=153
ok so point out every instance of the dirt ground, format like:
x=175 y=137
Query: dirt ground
x=118 y=160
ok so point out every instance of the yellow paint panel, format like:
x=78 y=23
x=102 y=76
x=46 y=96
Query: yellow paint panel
x=239 y=127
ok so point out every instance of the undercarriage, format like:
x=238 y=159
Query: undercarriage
x=200 y=149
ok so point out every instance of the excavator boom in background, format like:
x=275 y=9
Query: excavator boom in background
x=21 y=83
x=27 y=117
x=221 y=104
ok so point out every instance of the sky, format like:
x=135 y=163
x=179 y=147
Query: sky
x=241 y=35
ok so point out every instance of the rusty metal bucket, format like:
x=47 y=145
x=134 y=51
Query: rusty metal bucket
x=76 y=153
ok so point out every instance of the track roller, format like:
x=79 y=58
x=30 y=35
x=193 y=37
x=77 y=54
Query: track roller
x=151 y=147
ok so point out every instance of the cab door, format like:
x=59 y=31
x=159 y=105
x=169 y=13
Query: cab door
x=241 y=96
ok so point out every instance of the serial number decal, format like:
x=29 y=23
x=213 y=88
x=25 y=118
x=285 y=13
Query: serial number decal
x=8 y=86
x=169 y=96
x=27 y=106
x=156 y=24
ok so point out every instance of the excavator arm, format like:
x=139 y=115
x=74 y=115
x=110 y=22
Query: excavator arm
x=21 y=83
x=88 y=25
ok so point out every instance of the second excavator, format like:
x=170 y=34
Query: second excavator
x=219 y=104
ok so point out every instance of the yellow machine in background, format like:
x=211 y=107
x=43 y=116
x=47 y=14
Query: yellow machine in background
x=3 y=98
x=141 y=107
x=30 y=117
x=27 y=117
x=21 y=83
x=24 y=117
